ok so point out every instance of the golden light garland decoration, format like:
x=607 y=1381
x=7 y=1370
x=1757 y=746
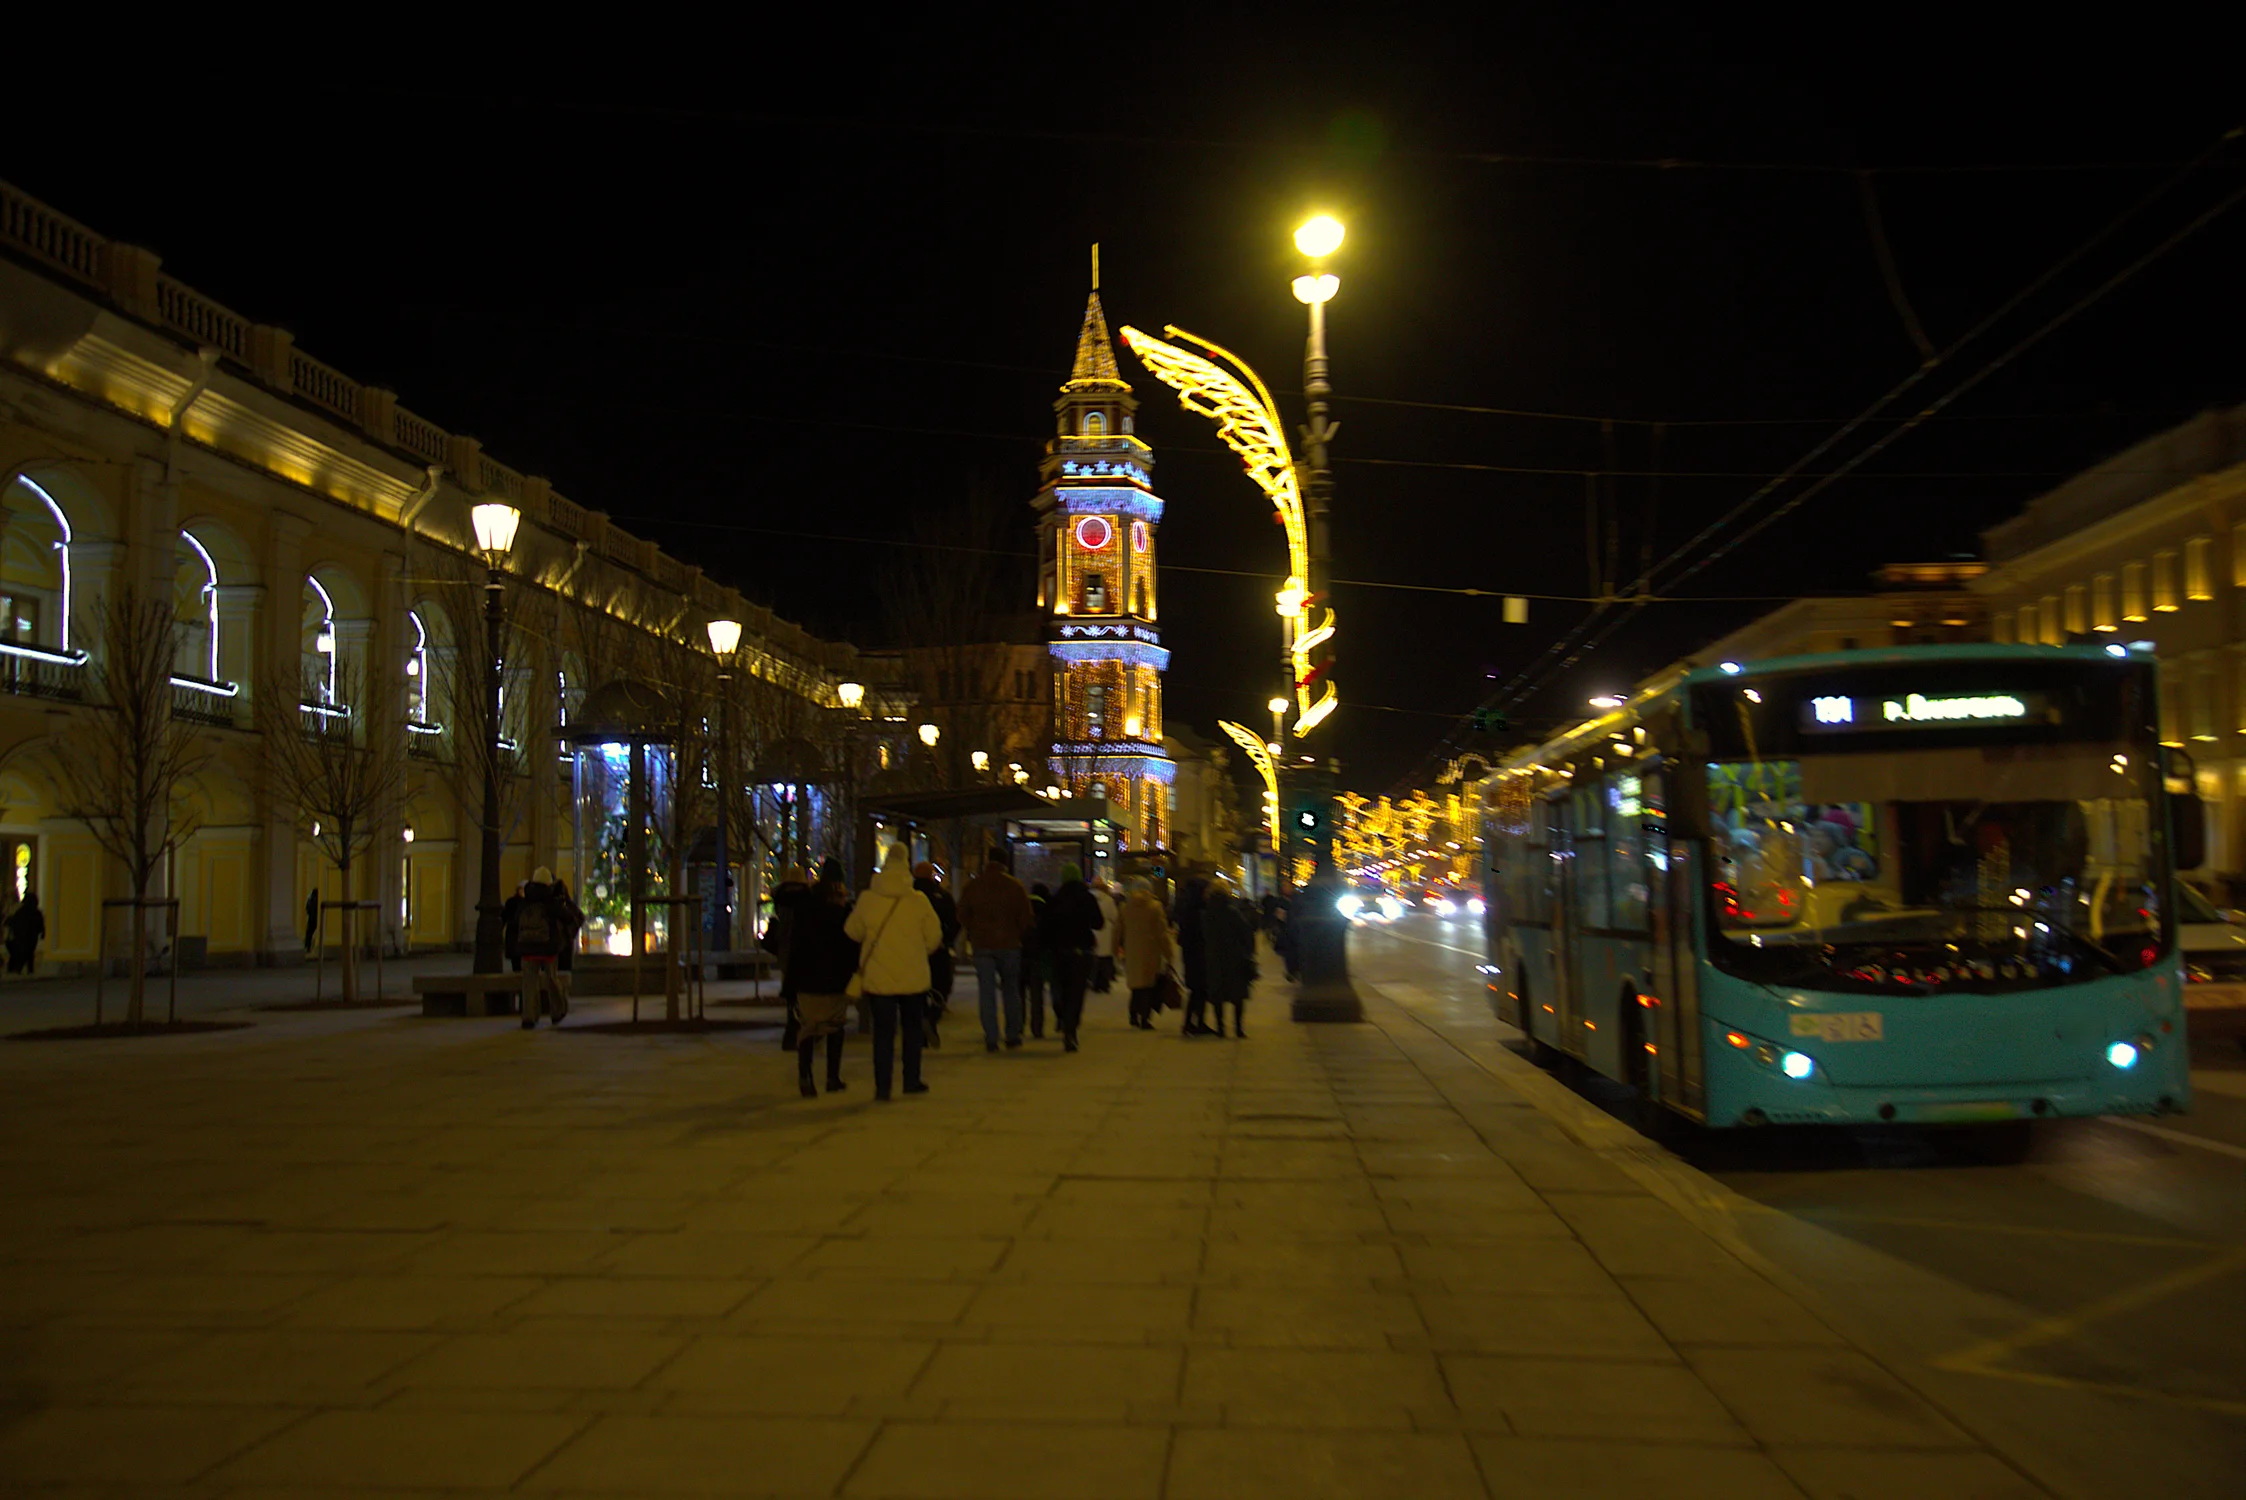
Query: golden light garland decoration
x=1248 y=423
x=1259 y=756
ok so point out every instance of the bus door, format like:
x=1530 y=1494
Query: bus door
x=1672 y=885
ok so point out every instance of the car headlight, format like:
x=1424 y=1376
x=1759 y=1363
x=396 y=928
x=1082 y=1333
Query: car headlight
x=1475 y=906
x=1350 y=905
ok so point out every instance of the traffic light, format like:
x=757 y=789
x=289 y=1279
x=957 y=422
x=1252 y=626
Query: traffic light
x=1490 y=721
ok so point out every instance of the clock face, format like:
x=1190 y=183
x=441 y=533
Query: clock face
x=1093 y=533
x=1140 y=536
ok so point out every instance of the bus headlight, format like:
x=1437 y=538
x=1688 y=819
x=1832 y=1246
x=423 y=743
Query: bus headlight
x=1796 y=1065
x=2122 y=1055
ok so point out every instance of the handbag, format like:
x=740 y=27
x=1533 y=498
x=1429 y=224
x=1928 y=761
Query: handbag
x=1169 y=991
x=857 y=985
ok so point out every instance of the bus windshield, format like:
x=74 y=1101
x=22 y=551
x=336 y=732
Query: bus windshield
x=1859 y=857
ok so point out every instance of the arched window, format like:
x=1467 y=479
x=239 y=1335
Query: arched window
x=195 y=599
x=418 y=686
x=35 y=582
x=317 y=648
x=1095 y=424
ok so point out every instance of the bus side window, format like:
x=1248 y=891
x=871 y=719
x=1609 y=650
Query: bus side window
x=1626 y=818
x=1592 y=907
x=1536 y=874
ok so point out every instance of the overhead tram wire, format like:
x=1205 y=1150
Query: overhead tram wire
x=1542 y=669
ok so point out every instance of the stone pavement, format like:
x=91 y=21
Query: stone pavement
x=370 y=1254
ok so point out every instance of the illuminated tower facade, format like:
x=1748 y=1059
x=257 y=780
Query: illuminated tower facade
x=1097 y=518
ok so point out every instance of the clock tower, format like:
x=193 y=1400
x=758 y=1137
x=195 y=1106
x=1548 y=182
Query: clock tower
x=1097 y=517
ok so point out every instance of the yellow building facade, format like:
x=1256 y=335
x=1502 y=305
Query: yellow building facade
x=312 y=534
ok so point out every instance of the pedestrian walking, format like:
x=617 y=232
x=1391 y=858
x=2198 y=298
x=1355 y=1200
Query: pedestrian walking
x=510 y=929
x=1037 y=961
x=822 y=958
x=896 y=929
x=1193 y=951
x=1103 y=941
x=1145 y=946
x=26 y=925
x=995 y=915
x=311 y=920
x=540 y=927
x=1229 y=936
x=786 y=896
x=572 y=923
x=1070 y=926
x=942 y=968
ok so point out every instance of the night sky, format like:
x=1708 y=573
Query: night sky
x=766 y=299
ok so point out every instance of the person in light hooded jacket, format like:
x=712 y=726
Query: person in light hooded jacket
x=896 y=929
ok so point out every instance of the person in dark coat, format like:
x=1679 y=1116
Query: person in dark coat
x=573 y=922
x=1279 y=926
x=942 y=967
x=1036 y=960
x=1193 y=952
x=786 y=897
x=1229 y=944
x=542 y=923
x=510 y=931
x=821 y=960
x=26 y=925
x=1071 y=923
x=311 y=920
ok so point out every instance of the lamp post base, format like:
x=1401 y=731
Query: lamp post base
x=1322 y=944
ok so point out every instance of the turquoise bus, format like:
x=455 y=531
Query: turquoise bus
x=1926 y=885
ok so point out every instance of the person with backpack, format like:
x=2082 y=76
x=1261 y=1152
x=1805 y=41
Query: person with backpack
x=895 y=929
x=573 y=922
x=540 y=935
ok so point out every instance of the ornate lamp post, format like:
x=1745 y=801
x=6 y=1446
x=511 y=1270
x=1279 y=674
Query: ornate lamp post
x=725 y=637
x=495 y=525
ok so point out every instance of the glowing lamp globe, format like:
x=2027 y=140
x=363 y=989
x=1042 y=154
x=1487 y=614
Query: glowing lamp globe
x=1319 y=288
x=495 y=525
x=850 y=694
x=1319 y=237
x=724 y=636
x=929 y=734
x=1277 y=705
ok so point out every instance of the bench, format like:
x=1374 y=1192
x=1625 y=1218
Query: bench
x=469 y=994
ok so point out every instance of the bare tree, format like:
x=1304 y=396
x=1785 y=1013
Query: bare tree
x=344 y=773
x=475 y=741
x=122 y=768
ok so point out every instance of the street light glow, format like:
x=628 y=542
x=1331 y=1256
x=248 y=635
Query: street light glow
x=724 y=636
x=1319 y=237
x=1277 y=705
x=1606 y=700
x=929 y=734
x=981 y=760
x=1320 y=288
x=850 y=694
x=495 y=524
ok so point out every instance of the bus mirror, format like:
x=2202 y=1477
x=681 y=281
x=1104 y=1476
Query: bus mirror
x=2188 y=818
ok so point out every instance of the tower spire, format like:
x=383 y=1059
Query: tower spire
x=1095 y=352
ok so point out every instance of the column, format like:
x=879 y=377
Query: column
x=275 y=663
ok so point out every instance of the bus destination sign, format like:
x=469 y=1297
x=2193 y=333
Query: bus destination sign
x=1839 y=713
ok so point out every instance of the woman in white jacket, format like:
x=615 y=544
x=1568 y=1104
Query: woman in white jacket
x=896 y=929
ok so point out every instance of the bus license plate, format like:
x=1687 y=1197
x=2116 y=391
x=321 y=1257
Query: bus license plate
x=1842 y=1026
x=2215 y=996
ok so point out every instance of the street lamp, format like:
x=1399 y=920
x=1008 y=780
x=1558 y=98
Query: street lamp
x=495 y=524
x=929 y=734
x=981 y=760
x=1326 y=992
x=725 y=638
x=850 y=694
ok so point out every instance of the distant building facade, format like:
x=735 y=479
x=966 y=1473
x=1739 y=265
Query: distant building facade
x=2150 y=545
x=1914 y=604
x=1205 y=825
